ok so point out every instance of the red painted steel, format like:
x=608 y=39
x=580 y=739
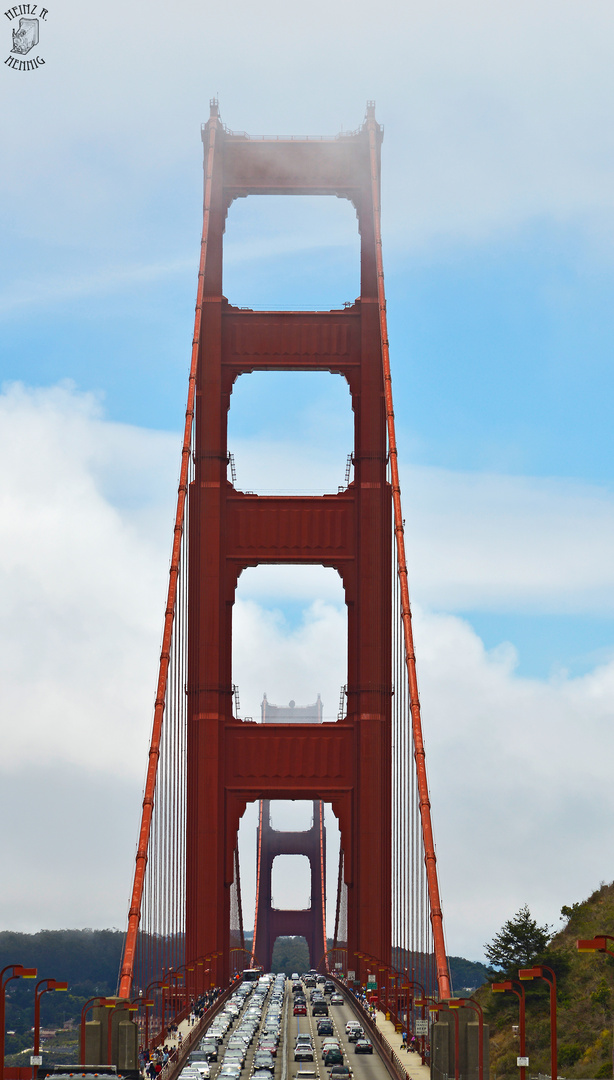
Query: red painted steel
x=229 y=762
x=443 y=977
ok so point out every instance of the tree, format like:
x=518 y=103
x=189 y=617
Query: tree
x=519 y=942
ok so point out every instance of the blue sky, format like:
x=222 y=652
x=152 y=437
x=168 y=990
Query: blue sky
x=498 y=162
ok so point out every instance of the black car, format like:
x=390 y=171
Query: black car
x=319 y=1008
x=263 y=1059
x=325 y=1027
x=363 y=1046
x=209 y=1047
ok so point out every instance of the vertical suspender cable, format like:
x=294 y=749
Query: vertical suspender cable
x=443 y=977
x=134 y=914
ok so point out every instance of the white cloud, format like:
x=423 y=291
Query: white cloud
x=519 y=773
x=513 y=543
x=82 y=580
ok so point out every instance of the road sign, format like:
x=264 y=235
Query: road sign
x=422 y=1027
x=36 y=1059
x=351 y=976
x=522 y=1062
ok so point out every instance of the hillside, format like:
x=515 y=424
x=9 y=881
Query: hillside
x=585 y=1002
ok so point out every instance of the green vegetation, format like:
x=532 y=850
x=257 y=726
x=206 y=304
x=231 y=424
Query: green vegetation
x=88 y=960
x=466 y=975
x=290 y=954
x=585 y=997
x=519 y=942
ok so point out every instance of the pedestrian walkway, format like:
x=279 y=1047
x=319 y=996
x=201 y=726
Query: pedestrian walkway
x=412 y=1062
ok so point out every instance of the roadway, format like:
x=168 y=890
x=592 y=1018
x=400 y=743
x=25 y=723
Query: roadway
x=363 y=1066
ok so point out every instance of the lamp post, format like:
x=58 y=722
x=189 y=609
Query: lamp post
x=597 y=944
x=526 y=974
x=11 y=971
x=437 y=1006
x=157 y=984
x=469 y=1003
x=132 y=1007
x=101 y=1002
x=407 y=982
x=41 y=988
x=502 y=987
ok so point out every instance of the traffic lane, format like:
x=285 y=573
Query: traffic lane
x=363 y=1066
x=246 y=1071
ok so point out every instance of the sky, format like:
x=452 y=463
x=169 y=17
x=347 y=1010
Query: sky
x=498 y=231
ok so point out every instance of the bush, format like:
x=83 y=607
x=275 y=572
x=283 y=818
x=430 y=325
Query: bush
x=569 y=1053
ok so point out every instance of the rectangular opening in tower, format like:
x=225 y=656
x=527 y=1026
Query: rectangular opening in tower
x=289 y=640
x=290 y=433
x=291 y=253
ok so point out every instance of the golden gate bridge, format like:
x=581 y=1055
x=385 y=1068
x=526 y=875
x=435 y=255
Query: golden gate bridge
x=206 y=763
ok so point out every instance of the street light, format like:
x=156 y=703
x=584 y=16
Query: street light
x=17 y=971
x=102 y=1003
x=596 y=944
x=469 y=1003
x=157 y=984
x=437 y=1006
x=500 y=988
x=41 y=988
x=132 y=1007
x=526 y=974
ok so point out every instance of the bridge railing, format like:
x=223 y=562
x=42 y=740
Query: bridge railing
x=391 y=1060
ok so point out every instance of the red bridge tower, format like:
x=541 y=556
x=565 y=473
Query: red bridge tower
x=347 y=763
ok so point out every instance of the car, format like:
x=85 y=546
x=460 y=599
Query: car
x=305 y=1072
x=352 y=1024
x=303 y=1037
x=336 y=999
x=333 y=1056
x=295 y=976
x=231 y=1072
x=340 y=1072
x=296 y=986
x=300 y=1009
x=329 y=1044
x=268 y=1044
x=209 y=1046
x=303 y=1052
x=234 y=1057
x=263 y=1059
x=325 y=1027
x=355 y=1034
x=329 y=987
x=237 y=1043
x=320 y=978
x=261 y=1074
x=319 y=1008
x=363 y=1046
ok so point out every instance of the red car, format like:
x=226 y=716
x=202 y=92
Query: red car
x=300 y=1009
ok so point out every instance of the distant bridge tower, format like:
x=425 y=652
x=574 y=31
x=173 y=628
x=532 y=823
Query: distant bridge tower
x=271 y=923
